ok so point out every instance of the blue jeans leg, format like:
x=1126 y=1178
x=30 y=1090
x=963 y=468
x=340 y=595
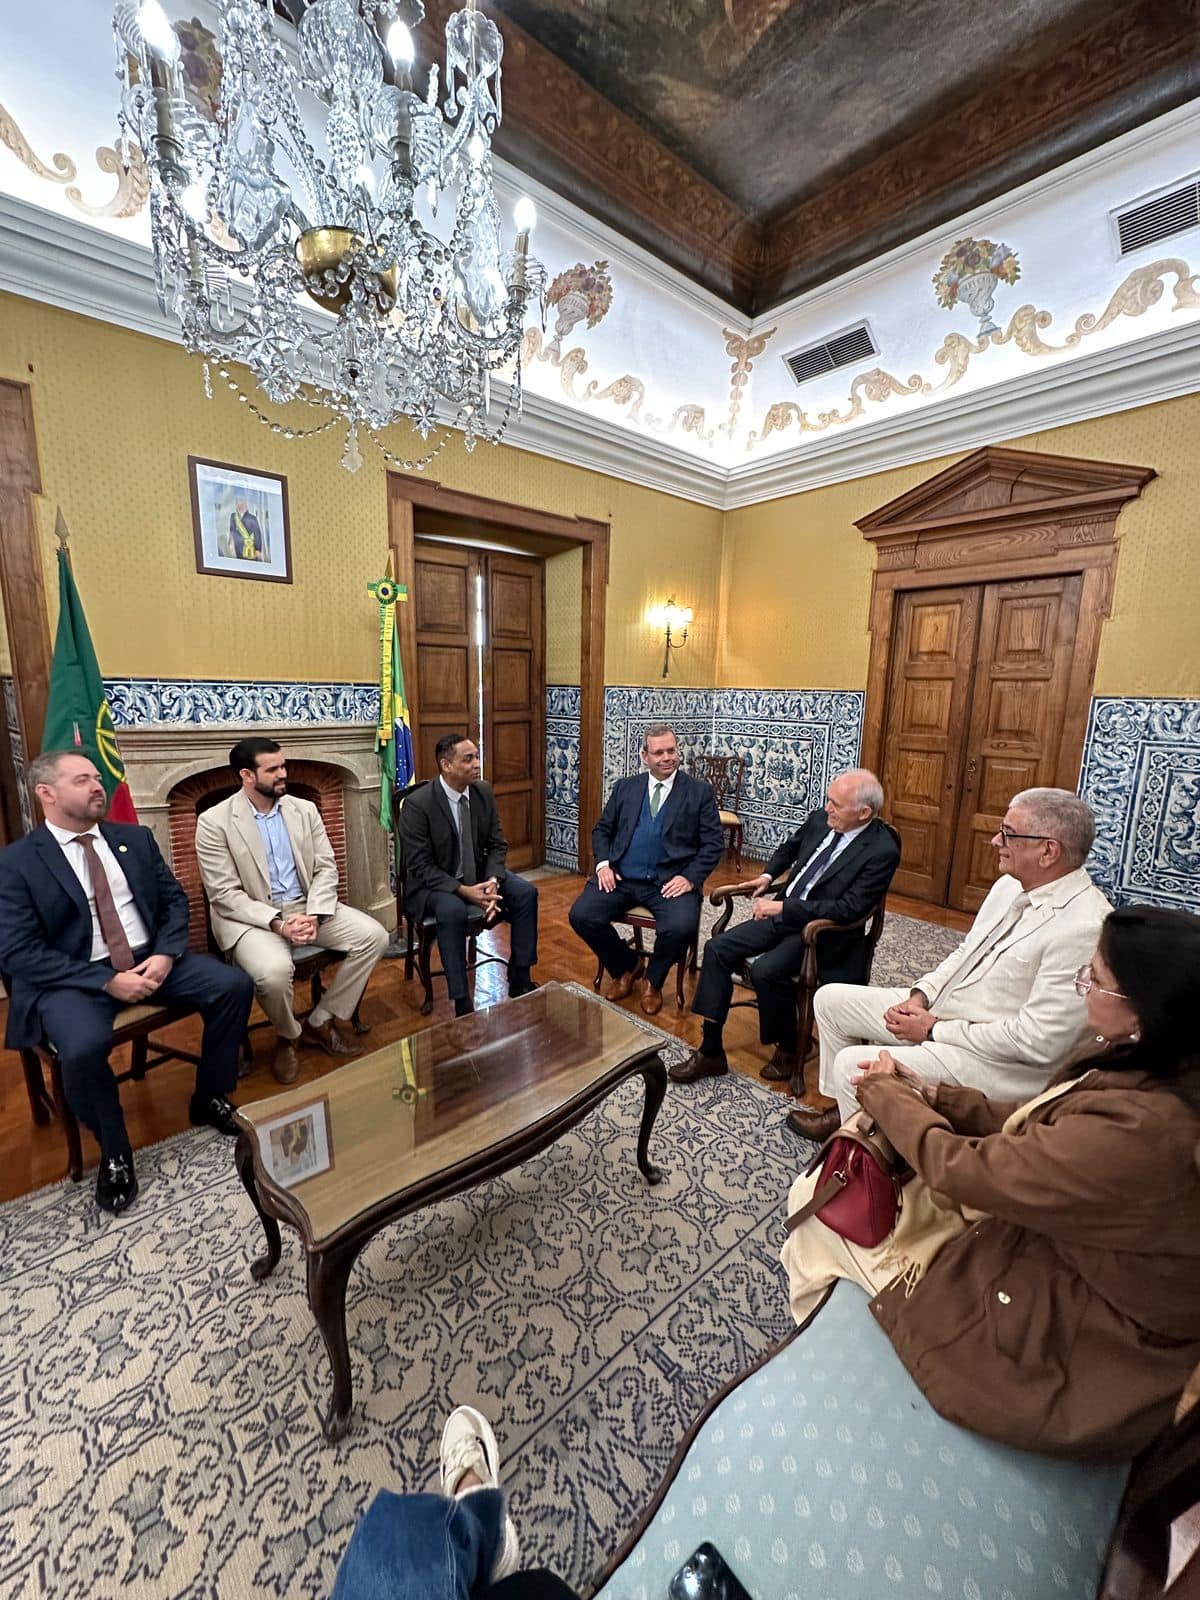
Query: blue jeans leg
x=422 y=1547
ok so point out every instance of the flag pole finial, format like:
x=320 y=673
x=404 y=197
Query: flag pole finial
x=61 y=534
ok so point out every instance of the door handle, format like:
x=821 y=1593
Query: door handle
x=972 y=768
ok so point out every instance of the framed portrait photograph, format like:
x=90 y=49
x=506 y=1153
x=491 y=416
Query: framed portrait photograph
x=240 y=521
x=297 y=1144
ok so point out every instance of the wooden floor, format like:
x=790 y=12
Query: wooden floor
x=157 y=1107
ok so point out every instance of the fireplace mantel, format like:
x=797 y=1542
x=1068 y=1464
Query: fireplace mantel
x=159 y=758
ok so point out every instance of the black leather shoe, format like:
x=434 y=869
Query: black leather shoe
x=815 y=1125
x=781 y=1067
x=697 y=1066
x=213 y=1111
x=518 y=986
x=116 y=1184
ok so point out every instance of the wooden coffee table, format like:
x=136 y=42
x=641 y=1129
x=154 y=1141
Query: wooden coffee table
x=425 y=1118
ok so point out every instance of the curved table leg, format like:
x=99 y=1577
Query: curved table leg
x=328 y=1273
x=654 y=1074
x=264 y=1265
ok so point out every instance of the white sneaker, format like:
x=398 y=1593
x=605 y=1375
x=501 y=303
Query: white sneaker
x=469 y=1445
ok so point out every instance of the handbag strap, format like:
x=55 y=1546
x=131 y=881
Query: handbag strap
x=820 y=1197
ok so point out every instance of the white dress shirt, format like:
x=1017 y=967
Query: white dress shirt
x=131 y=920
x=843 y=842
x=667 y=785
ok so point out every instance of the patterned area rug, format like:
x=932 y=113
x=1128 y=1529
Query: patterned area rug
x=907 y=946
x=159 y=1411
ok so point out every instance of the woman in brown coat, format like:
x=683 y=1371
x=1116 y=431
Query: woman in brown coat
x=1067 y=1320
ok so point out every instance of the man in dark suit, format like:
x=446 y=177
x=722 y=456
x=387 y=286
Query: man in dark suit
x=657 y=840
x=454 y=854
x=91 y=920
x=839 y=862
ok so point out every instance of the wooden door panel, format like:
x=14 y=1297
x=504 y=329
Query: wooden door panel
x=513 y=604
x=1026 y=637
x=511 y=688
x=442 y=597
x=515 y=808
x=443 y=680
x=514 y=701
x=930 y=677
x=511 y=755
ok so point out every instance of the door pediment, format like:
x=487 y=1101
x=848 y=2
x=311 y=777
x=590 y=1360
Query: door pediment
x=997 y=487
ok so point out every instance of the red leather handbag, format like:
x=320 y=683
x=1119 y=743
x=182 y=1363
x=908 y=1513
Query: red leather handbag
x=858 y=1191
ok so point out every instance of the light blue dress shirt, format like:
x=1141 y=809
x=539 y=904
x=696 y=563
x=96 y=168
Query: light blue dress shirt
x=281 y=859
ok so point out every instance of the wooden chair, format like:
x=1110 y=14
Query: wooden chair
x=725 y=774
x=420 y=937
x=642 y=921
x=132 y=1025
x=808 y=980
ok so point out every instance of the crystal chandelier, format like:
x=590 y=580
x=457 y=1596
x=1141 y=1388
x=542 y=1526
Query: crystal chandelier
x=252 y=224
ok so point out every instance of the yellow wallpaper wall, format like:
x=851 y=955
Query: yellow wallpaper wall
x=564 y=599
x=811 y=631
x=118 y=413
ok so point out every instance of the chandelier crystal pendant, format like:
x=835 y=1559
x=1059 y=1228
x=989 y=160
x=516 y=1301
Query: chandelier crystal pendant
x=253 y=225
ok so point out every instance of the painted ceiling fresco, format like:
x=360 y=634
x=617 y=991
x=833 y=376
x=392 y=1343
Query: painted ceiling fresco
x=769 y=99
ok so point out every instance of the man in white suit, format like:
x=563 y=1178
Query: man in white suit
x=1000 y=1014
x=271 y=879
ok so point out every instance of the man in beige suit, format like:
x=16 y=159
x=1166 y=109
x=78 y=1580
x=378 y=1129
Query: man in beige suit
x=1000 y=1014
x=271 y=880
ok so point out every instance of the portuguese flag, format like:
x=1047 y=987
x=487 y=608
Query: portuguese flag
x=78 y=715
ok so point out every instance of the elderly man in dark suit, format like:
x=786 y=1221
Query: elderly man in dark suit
x=454 y=853
x=656 y=842
x=92 y=920
x=839 y=862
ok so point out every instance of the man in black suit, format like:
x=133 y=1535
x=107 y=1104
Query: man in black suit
x=656 y=842
x=91 y=920
x=454 y=854
x=839 y=862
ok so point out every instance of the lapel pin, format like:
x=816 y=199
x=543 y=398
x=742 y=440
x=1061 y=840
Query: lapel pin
x=122 y=848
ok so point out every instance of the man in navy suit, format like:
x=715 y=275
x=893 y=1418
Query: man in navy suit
x=839 y=863
x=91 y=921
x=657 y=840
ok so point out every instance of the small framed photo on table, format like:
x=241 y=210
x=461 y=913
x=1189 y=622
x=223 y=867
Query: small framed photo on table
x=240 y=521
x=297 y=1144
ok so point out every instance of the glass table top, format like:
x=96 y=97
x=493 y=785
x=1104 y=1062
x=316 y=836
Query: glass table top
x=403 y=1114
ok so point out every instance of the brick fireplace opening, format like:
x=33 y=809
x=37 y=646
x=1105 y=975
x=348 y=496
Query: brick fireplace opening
x=310 y=780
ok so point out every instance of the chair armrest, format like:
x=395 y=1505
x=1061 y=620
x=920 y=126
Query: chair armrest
x=726 y=893
x=819 y=925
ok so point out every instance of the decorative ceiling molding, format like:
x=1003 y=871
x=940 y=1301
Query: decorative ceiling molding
x=563 y=132
x=1162 y=366
x=57 y=261
x=1021 y=123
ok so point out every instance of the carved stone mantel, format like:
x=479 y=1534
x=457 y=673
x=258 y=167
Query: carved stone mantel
x=159 y=758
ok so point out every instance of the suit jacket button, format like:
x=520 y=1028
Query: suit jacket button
x=1004 y=1299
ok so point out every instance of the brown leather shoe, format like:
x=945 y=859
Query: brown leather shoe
x=780 y=1067
x=333 y=1036
x=816 y=1125
x=651 y=1000
x=697 y=1066
x=286 y=1066
x=621 y=988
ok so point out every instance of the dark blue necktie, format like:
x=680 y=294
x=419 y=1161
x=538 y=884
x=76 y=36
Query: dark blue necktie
x=814 y=869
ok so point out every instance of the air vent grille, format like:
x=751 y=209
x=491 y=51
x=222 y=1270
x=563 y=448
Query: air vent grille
x=840 y=350
x=1159 y=218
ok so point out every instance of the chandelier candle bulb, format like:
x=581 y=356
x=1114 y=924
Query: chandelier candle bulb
x=157 y=31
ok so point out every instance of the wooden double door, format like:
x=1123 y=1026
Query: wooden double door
x=480 y=632
x=977 y=696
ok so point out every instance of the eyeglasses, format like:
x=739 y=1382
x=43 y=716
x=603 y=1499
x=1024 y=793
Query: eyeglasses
x=1007 y=833
x=1085 y=983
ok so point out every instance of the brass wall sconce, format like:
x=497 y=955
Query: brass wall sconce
x=671 y=618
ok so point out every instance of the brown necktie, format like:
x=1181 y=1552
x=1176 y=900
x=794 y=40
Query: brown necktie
x=120 y=956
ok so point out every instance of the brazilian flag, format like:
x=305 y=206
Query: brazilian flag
x=78 y=715
x=393 y=736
